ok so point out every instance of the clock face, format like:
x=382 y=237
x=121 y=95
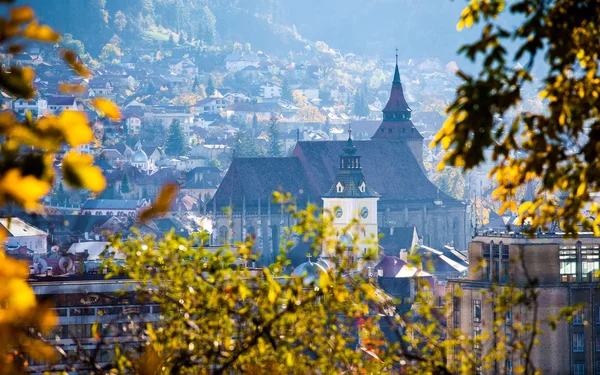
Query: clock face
x=364 y=212
x=338 y=212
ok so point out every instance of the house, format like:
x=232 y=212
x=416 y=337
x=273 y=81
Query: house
x=208 y=151
x=249 y=109
x=234 y=62
x=270 y=91
x=113 y=207
x=100 y=87
x=133 y=124
x=212 y=105
x=18 y=234
x=185 y=67
x=37 y=107
x=58 y=104
x=310 y=92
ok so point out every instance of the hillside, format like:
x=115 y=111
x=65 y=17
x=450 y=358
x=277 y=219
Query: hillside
x=375 y=27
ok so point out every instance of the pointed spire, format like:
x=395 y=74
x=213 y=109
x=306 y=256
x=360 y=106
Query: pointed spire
x=349 y=148
x=396 y=72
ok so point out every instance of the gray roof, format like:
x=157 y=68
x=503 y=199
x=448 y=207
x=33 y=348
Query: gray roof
x=111 y=204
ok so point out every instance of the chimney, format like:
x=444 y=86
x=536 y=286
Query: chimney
x=404 y=255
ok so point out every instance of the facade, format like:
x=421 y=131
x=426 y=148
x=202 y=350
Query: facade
x=565 y=272
x=38 y=107
x=80 y=301
x=112 y=207
x=57 y=104
x=235 y=62
x=270 y=91
x=350 y=197
x=18 y=234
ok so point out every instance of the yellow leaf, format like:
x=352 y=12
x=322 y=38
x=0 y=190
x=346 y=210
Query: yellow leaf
x=79 y=172
x=469 y=21
x=21 y=298
x=272 y=295
x=581 y=189
x=524 y=207
x=162 y=204
x=460 y=25
x=75 y=128
x=21 y=14
x=107 y=107
x=26 y=190
x=70 y=58
x=43 y=33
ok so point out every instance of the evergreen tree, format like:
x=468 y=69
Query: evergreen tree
x=254 y=125
x=195 y=85
x=286 y=93
x=171 y=41
x=327 y=126
x=210 y=86
x=125 y=187
x=361 y=107
x=274 y=144
x=175 y=140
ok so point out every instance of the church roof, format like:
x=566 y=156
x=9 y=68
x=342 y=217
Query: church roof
x=390 y=168
x=255 y=178
x=397 y=102
x=396 y=122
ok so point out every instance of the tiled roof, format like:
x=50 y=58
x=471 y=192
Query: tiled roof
x=257 y=178
x=389 y=167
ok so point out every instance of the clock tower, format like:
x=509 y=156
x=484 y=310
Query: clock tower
x=349 y=198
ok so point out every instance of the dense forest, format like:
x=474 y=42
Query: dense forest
x=419 y=28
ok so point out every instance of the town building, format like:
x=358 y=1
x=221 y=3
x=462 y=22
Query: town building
x=112 y=207
x=563 y=272
x=351 y=197
x=392 y=163
x=20 y=234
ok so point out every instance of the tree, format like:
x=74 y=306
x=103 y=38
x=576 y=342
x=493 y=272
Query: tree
x=152 y=133
x=361 y=107
x=125 y=186
x=451 y=181
x=254 y=125
x=120 y=21
x=110 y=52
x=547 y=146
x=274 y=143
x=327 y=126
x=210 y=86
x=176 y=144
x=75 y=45
x=286 y=92
x=27 y=176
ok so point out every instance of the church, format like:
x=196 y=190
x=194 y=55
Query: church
x=392 y=164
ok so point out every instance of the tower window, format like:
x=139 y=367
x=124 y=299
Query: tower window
x=389 y=130
x=362 y=187
x=382 y=130
x=339 y=187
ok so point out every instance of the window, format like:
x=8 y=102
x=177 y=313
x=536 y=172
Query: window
x=579 y=368
x=496 y=260
x=597 y=367
x=578 y=317
x=477 y=310
x=488 y=263
x=597 y=314
x=505 y=263
x=456 y=311
x=477 y=337
x=578 y=344
x=590 y=262
x=508 y=317
x=567 y=256
x=390 y=129
x=597 y=342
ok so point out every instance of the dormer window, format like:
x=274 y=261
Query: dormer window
x=339 y=187
x=362 y=187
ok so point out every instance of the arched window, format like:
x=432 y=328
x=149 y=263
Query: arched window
x=223 y=233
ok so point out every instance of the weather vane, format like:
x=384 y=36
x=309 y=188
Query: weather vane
x=397 y=55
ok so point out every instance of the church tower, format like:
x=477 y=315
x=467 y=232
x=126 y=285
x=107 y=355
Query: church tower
x=351 y=197
x=396 y=124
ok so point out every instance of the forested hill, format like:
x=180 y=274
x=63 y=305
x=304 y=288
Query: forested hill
x=419 y=28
